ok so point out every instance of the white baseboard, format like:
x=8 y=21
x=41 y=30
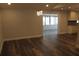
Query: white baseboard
x=25 y=37
x=1 y=46
x=17 y=38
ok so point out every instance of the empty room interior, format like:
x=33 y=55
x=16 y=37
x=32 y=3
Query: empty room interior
x=39 y=29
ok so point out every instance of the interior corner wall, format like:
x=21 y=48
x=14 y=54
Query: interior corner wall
x=19 y=23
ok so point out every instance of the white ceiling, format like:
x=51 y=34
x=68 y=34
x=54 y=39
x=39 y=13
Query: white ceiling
x=41 y=6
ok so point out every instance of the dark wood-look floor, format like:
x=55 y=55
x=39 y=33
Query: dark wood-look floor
x=64 y=45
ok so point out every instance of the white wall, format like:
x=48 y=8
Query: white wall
x=62 y=22
x=1 y=36
x=21 y=23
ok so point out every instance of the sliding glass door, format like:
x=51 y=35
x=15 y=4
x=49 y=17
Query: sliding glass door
x=50 y=22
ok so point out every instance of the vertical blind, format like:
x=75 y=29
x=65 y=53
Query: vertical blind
x=50 y=20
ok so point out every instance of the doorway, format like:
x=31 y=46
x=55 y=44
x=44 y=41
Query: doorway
x=50 y=26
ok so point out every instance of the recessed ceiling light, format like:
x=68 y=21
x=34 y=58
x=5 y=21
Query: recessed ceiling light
x=69 y=7
x=9 y=3
x=62 y=8
x=47 y=5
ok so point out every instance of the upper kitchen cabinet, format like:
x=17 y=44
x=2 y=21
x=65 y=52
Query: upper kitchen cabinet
x=73 y=15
